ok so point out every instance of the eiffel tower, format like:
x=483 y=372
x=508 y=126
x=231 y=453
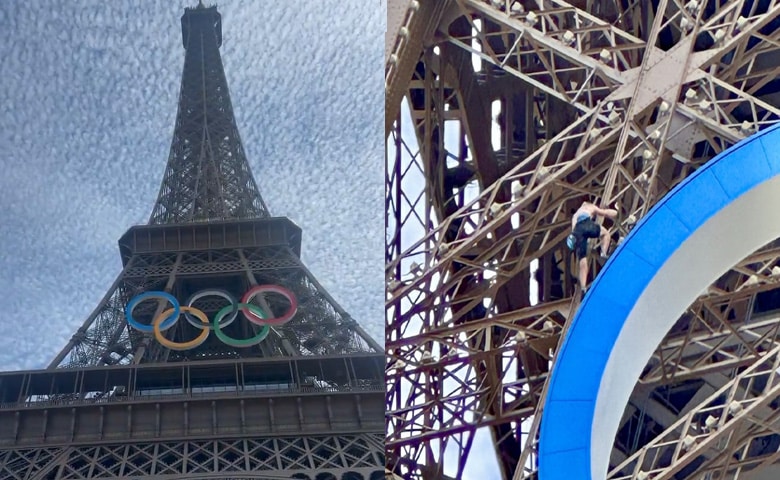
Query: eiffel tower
x=215 y=353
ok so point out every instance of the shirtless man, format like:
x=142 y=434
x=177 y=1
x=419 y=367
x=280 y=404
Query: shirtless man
x=584 y=226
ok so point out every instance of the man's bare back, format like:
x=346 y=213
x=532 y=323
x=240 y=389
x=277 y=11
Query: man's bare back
x=591 y=210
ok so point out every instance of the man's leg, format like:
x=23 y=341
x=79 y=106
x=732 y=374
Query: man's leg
x=583 y=273
x=605 y=239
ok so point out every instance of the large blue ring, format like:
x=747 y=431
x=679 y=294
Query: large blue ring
x=587 y=364
x=168 y=323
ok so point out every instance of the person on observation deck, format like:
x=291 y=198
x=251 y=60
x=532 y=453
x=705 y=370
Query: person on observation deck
x=584 y=226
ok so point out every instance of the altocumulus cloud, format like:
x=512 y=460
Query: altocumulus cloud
x=87 y=109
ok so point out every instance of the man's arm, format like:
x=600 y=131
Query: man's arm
x=608 y=212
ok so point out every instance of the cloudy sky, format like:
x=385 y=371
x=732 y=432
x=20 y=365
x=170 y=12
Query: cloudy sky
x=88 y=95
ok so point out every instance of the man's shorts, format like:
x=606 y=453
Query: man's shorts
x=584 y=230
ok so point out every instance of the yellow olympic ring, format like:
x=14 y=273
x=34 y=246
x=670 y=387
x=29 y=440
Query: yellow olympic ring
x=197 y=341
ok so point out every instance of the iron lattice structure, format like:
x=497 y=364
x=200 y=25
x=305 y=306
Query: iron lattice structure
x=500 y=116
x=306 y=402
x=208 y=176
x=314 y=457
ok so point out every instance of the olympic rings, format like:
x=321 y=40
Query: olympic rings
x=223 y=318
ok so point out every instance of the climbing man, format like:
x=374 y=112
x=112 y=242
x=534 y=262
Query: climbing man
x=584 y=227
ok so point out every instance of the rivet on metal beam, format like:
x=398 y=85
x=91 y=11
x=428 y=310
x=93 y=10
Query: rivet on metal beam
x=404 y=32
x=414 y=5
x=747 y=126
x=531 y=19
x=735 y=407
x=741 y=22
x=710 y=422
x=719 y=35
x=605 y=56
x=643 y=179
x=568 y=37
x=664 y=107
x=688 y=442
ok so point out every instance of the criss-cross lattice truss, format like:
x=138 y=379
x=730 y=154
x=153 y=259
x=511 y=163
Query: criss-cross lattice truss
x=208 y=176
x=502 y=116
x=348 y=457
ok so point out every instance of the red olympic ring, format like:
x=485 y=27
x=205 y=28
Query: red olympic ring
x=251 y=293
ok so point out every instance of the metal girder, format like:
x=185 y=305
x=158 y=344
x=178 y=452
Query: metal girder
x=638 y=121
x=724 y=423
x=415 y=22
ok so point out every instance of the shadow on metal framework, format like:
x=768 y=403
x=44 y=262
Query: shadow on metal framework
x=621 y=101
x=215 y=353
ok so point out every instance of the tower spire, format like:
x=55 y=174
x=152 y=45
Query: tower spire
x=207 y=176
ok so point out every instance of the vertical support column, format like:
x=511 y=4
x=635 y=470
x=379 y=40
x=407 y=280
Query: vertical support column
x=186 y=418
x=271 y=418
x=359 y=408
x=102 y=423
x=330 y=411
x=214 y=425
x=156 y=419
x=72 y=424
x=45 y=424
x=243 y=416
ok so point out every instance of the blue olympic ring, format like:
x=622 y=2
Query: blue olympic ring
x=168 y=323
